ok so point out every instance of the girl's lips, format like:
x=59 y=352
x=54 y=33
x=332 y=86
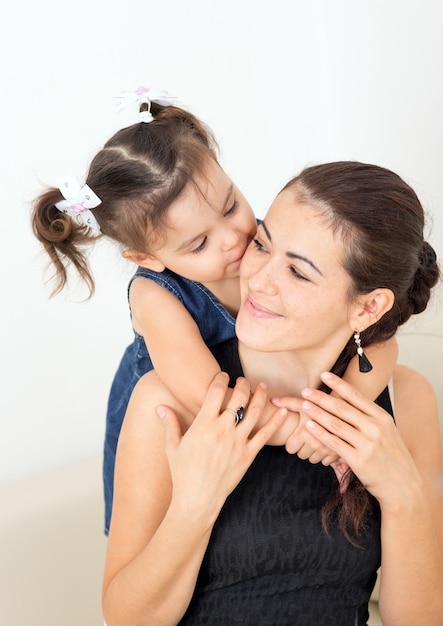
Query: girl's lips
x=239 y=258
x=237 y=261
x=259 y=311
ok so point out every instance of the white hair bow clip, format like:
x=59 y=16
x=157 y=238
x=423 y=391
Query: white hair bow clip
x=78 y=201
x=144 y=95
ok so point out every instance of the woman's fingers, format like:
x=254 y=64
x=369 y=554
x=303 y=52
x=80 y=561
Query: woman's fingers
x=209 y=460
x=238 y=402
x=210 y=408
x=331 y=429
x=350 y=394
x=171 y=426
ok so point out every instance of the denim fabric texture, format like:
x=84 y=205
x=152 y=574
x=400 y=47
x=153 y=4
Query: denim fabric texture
x=216 y=325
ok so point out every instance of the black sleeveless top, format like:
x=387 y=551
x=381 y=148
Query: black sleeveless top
x=269 y=562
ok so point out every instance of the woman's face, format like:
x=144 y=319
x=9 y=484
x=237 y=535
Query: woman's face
x=293 y=285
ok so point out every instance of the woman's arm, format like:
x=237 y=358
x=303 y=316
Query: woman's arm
x=413 y=553
x=169 y=490
x=399 y=464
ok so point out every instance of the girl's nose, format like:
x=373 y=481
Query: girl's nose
x=230 y=239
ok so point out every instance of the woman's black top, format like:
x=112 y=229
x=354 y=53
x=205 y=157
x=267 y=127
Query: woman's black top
x=269 y=562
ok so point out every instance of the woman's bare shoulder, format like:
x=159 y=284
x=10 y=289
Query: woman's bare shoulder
x=416 y=413
x=413 y=393
x=405 y=376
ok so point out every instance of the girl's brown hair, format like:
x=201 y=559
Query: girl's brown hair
x=139 y=172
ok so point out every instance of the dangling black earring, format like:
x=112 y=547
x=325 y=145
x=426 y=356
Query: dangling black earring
x=364 y=365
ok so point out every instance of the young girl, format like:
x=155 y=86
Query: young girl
x=157 y=189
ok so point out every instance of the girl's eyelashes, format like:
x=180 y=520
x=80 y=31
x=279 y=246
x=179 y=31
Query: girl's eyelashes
x=200 y=247
x=232 y=209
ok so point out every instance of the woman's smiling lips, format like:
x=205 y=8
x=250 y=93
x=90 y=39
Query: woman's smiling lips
x=259 y=311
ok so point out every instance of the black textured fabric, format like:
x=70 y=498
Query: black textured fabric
x=268 y=562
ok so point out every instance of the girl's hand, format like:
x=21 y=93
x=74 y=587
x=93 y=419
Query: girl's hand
x=363 y=435
x=305 y=445
x=209 y=460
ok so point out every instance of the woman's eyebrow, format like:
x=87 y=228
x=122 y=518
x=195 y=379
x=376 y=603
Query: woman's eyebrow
x=291 y=255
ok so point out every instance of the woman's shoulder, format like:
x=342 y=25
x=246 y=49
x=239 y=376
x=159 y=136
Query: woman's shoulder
x=411 y=384
x=416 y=412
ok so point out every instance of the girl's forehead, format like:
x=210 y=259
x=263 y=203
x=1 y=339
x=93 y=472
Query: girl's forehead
x=209 y=189
x=212 y=182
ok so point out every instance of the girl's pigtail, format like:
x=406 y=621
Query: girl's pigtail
x=63 y=239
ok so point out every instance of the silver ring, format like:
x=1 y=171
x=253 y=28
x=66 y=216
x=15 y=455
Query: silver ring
x=237 y=413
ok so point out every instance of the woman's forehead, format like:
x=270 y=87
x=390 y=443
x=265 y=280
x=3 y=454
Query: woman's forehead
x=303 y=228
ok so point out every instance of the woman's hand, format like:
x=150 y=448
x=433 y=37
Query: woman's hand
x=209 y=460
x=363 y=435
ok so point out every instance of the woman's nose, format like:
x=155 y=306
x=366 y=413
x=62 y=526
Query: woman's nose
x=262 y=279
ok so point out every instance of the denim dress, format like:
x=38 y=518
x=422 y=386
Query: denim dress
x=215 y=324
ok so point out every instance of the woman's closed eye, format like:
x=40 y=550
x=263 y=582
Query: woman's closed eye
x=297 y=274
x=259 y=246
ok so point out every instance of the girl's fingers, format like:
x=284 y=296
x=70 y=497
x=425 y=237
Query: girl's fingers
x=290 y=403
x=262 y=436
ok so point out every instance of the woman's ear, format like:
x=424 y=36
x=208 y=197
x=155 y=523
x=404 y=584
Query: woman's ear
x=144 y=260
x=371 y=307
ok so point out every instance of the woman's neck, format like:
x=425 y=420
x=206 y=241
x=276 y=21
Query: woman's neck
x=286 y=373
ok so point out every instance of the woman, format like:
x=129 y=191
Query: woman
x=215 y=527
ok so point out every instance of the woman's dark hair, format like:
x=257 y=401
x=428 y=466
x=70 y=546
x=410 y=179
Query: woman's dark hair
x=381 y=223
x=139 y=172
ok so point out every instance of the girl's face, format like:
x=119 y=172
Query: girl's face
x=293 y=284
x=208 y=229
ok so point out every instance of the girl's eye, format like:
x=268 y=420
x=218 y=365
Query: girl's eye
x=232 y=209
x=200 y=247
x=297 y=274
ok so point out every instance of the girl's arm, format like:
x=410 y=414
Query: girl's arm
x=400 y=464
x=177 y=350
x=169 y=490
x=180 y=357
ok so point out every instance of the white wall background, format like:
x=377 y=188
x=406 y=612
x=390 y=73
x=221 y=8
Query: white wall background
x=283 y=84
